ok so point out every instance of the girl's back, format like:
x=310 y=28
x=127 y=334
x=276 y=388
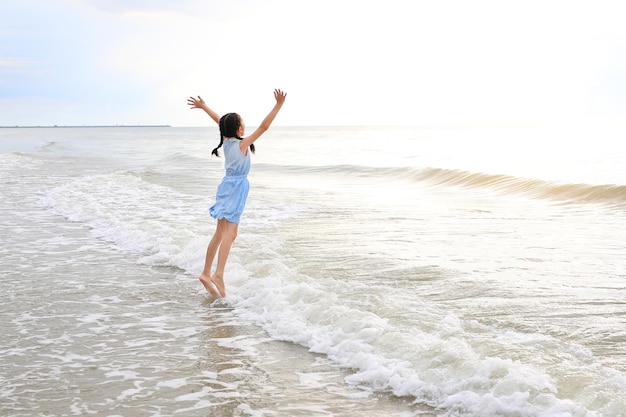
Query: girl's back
x=236 y=164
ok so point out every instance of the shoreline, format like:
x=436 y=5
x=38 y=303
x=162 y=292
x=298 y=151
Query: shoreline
x=76 y=126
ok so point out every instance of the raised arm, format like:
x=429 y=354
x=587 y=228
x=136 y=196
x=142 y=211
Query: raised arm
x=200 y=104
x=266 y=123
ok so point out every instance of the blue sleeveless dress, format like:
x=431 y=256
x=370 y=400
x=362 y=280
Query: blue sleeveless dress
x=232 y=192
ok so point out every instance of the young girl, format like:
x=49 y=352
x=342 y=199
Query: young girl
x=233 y=190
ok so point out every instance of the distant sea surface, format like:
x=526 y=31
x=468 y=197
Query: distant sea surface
x=378 y=271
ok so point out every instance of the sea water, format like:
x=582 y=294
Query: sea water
x=449 y=271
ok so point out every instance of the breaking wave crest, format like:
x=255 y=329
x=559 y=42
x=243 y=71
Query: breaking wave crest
x=608 y=194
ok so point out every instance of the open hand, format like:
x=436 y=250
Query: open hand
x=279 y=95
x=196 y=103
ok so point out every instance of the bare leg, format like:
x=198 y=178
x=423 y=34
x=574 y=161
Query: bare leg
x=214 y=244
x=228 y=237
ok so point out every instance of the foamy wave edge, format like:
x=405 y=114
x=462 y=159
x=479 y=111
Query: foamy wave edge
x=581 y=193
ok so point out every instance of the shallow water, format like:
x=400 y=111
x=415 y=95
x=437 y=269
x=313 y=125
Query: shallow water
x=418 y=276
x=93 y=332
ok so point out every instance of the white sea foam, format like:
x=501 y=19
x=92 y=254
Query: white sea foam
x=173 y=383
x=392 y=334
x=445 y=369
x=456 y=387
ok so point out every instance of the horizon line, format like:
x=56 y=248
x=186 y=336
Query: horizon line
x=74 y=126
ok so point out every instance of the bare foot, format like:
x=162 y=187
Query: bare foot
x=209 y=285
x=218 y=281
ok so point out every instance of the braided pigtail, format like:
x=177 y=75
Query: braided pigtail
x=215 y=151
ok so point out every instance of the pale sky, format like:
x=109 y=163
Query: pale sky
x=341 y=62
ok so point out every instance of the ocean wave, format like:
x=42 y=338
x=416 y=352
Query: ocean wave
x=12 y=163
x=455 y=366
x=49 y=144
x=441 y=361
x=179 y=158
x=581 y=193
x=55 y=147
x=154 y=220
x=576 y=193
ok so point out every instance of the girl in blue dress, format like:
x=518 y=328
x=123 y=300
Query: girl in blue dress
x=232 y=192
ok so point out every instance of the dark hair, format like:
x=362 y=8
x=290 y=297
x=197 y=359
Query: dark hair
x=229 y=124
